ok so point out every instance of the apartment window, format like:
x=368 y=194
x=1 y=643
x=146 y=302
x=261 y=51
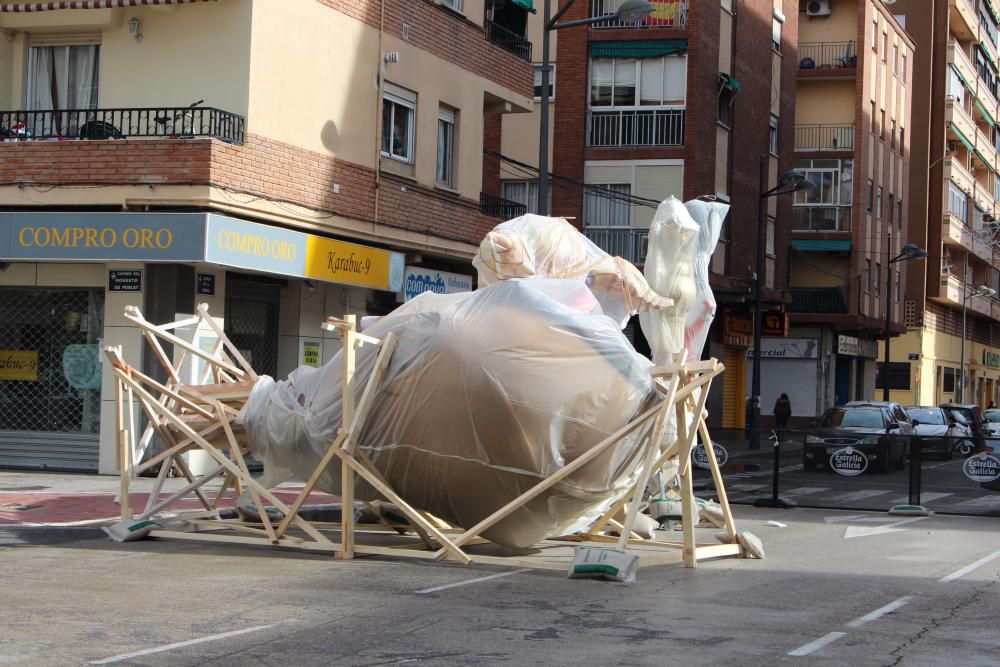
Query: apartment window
x=881 y=125
x=987 y=72
x=899 y=213
x=892 y=134
x=776 y=34
x=631 y=82
x=892 y=206
x=725 y=110
x=895 y=60
x=871 y=195
x=827 y=207
x=988 y=23
x=728 y=5
x=773 y=135
x=878 y=278
x=897 y=286
x=769 y=243
x=878 y=203
x=958 y=202
x=885 y=46
x=522 y=192
x=873 y=118
x=62 y=77
x=399 y=109
x=902 y=69
x=538 y=82
x=875 y=35
x=446 y=147
x=868 y=275
x=956 y=89
x=902 y=141
x=606 y=205
x=453 y=4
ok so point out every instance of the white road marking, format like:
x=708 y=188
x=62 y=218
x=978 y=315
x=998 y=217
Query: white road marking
x=839 y=519
x=859 y=495
x=981 y=502
x=803 y=491
x=880 y=612
x=924 y=498
x=190 y=642
x=816 y=645
x=962 y=571
x=865 y=531
x=471 y=581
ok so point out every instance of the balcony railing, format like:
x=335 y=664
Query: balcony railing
x=506 y=39
x=821 y=218
x=818 y=300
x=655 y=127
x=828 y=55
x=666 y=14
x=626 y=242
x=182 y=122
x=824 y=137
x=498 y=207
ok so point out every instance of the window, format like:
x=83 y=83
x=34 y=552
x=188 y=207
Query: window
x=827 y=207
x=773 y=135
x=776 y=34
x=987 y=72
x=892 y=134
x=988 y=23
x=61 y=77
x=897 y=286
x=958 y=202
x=398 y=111
x=453 y=4
x=871 y=195
x=446 y=147
x=892 y=206
x=725 y=110
x=875 y=35
x=878 y=278
x=956 y=89
x=899 y=213
x=896 y=374
x=868 y=275
x=769 y=243
x=878 y=203
x=881 y=125
x=885 y=46
x=538 y=82
x=631 y=82
x=948 y=380
x=895 y=60
x=522 y=192
x=604 y=205
x=873 y=119
x=902 y=142
x=902 y=69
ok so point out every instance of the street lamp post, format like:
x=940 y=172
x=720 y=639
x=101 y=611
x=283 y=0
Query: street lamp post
x=791 y=181
x=630 y=11
x=982 y=290
x=909 y=252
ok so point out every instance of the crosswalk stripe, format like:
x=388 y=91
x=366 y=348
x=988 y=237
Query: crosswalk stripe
x=983 y=501
x=804 y=490
x=859 y=495
x=924 y=498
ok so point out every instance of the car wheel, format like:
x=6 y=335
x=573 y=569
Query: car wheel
x=965 y=448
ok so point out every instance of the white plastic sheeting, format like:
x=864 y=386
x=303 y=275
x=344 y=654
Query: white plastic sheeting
x=487 y=393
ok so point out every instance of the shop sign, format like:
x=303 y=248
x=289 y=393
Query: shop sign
x=775 y=324
x=848 y=462
x=352 y=264
x=145 y=237
x=416 y=281
x=311 y=354
x=206 y=284
x=787 y=348
x=991 y=359
x=82 y=366
x=913 y=356
x=856 y=347
x=982 y=467
x=248 y=245
x=125 y=280
x=19 y=365
x=737 y=329
x=700 y=456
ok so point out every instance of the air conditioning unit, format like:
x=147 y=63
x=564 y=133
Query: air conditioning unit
x=818 y=8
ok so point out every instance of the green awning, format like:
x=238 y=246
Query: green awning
x=992 y=8
x=822 y=245
x=527 y=4
x=731 y=83
x=638 y=48
x=961 y=78
x=987 y=114
x=982 y=158
x=961 y=137
x=988 y=52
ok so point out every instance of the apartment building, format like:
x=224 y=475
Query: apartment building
x=686 y=103
x=954 y=142
x=333 y=163
x=853 y=141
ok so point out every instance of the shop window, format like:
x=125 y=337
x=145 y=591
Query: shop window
x=399 y=108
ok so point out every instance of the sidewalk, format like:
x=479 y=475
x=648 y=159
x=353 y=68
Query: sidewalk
x=40 y=498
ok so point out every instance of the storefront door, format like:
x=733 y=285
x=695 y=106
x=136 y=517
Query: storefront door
x=50 y=377
x=252 y=320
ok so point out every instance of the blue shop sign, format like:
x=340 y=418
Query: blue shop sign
x=141 y=237
x=249 y=245
x=416 y=281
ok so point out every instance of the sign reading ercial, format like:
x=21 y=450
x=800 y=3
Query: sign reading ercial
x=417 y=280
x=787 y=348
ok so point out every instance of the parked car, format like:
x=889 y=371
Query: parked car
x=871 y=429
x=992 y=418
x=969 y=415
x=899 y=415
x=940 y=434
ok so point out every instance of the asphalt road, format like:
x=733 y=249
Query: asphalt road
x=836 y=588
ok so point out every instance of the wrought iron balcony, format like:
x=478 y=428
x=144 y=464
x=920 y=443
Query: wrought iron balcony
x=636 y=127
x=666 y=14
x=628 y=243
x=827 y=55
x=498 y=207
x=137 y=123
x=818 y=300
x=508 y=40
x=824 y=137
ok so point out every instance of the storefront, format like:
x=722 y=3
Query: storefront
x=789 y=366
x=66 y=278
x=854 y=369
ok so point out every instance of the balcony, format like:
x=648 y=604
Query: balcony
x=818 y=300
x=955 y=232
x=964 y=21
x=824 y=137
x=821 y=218
x=498 y=207
x=666 y=14
x=635 y=127
x=828 y=55
x=961 y=62
x=957 y=118
x=954 y=171
x=628 y=243
x=136 y=123
x=508 y=40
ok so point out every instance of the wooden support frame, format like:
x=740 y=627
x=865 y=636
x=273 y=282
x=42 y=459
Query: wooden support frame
x=200 y=417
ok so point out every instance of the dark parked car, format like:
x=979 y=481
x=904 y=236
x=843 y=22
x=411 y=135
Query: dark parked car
x=969 y=414
x=896 y=411
x=939 y=433
x=871 y=429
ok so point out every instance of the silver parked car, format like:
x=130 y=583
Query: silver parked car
x=938 y=433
